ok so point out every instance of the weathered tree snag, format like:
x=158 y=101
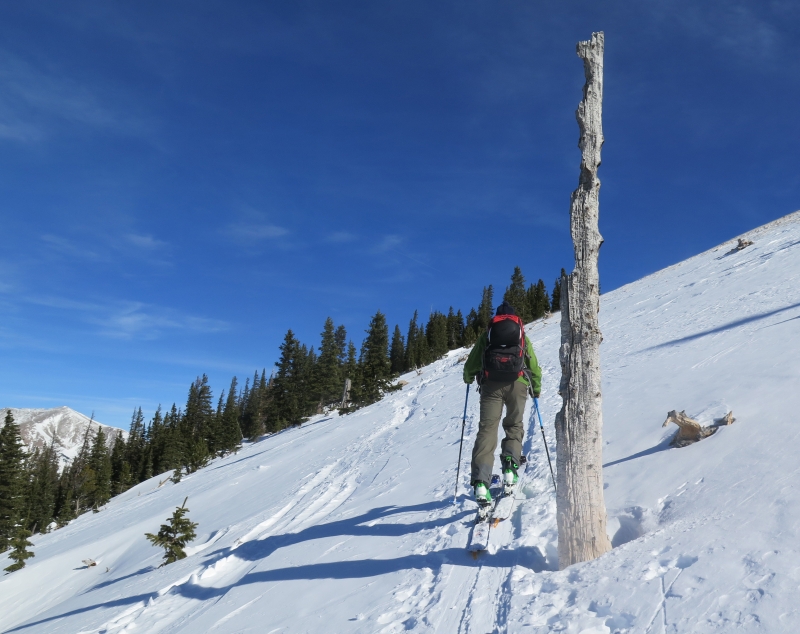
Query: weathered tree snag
x=690 y=431
x=579 y=425
x=688 y=428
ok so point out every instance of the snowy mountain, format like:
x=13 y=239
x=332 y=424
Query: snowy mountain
x=38 y=427
x=347 y=524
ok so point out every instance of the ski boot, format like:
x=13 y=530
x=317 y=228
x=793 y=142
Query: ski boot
x=484 y=499
x=510 y=477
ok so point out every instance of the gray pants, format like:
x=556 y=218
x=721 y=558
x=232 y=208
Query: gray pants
x=493 y=397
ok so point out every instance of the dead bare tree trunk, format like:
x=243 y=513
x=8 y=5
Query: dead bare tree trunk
x=579 y=425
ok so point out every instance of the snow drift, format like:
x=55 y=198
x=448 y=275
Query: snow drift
x=347 y=524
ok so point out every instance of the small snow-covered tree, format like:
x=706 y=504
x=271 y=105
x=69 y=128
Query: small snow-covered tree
x=174 y=535
x=19 y=549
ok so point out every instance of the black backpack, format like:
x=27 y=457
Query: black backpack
x=504 y=357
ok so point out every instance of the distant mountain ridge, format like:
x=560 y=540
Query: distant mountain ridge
x=38 y=427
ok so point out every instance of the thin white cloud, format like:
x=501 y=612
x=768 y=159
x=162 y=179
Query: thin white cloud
x=388 y=243
x=131 y=320
x=66 y=247
x=341 y=237
x=35 y=102
x=148 y=243
x=255 y=231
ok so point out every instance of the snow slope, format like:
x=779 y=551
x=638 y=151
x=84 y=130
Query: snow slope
x=38 y=427
x=347 y=524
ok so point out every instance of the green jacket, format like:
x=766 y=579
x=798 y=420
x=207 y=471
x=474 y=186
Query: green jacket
x=475 y=362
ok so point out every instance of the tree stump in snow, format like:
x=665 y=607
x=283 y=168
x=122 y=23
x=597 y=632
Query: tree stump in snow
x=580 y=504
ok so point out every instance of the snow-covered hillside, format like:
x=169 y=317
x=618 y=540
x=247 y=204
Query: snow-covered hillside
x=38 y=427
x=348 y=524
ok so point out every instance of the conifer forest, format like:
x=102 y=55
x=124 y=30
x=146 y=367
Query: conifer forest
x=36 y=495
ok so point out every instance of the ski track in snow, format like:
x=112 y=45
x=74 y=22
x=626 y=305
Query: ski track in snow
x=347 y=524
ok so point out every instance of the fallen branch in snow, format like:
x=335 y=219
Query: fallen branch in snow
x=742 y=244
x=690 y=431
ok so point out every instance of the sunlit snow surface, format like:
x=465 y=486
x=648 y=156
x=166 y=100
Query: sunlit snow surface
x=347 y=524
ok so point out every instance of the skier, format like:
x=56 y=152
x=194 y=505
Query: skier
x=505 y=364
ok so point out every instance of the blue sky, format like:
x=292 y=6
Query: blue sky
x=181 y=182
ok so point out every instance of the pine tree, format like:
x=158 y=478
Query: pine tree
x=472 y=328
x=352 y=371
x=43 y=487
x=410 y=362
x=515 y=295
x=375 y=365
x=328 y=380
x=397 y=352
x=197 y=425
x=120 y=467
x=100 y=464
x=340 y=337
x=19 y=553
x=12 y=474
x=174 y=536
x=485 y=310
x=436 y=335
x=555 y=304
x=455 y=329
x=287 y=385
x=251 y=405
x=539 y=301
x=231 y=434
x=134 y=448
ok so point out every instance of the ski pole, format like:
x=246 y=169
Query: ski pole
x=547 y=451
x=461 y=444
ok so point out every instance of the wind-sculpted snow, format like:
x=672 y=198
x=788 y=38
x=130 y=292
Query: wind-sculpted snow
x=347 y=524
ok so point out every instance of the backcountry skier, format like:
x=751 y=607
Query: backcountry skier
x=505 y=364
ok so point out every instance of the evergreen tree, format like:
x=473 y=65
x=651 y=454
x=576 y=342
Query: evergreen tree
x=135 y=447
x=12 y=479
x=197 y=429
x=411 y=361
x=174 y=536
x=328 y=380
x=397 y=352
x=555 y=304
x=485 y=310
x=252 y=426
x=100 y=464
x=120 y=467
x=352 y=371
x=340 y=337
x=19 y=544
x=422 y=350
x=42 y=487
x=375 y=364
x=231 y=434
x=436 y=335
x=472 y=328
x=78 y=477
x=455 y=329
x=287 y=385
x=538 y=299
x=515 y=295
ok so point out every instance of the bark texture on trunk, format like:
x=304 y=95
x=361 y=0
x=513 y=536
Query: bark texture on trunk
x=579 y=425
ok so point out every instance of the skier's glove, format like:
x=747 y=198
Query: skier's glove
x=536 y=395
